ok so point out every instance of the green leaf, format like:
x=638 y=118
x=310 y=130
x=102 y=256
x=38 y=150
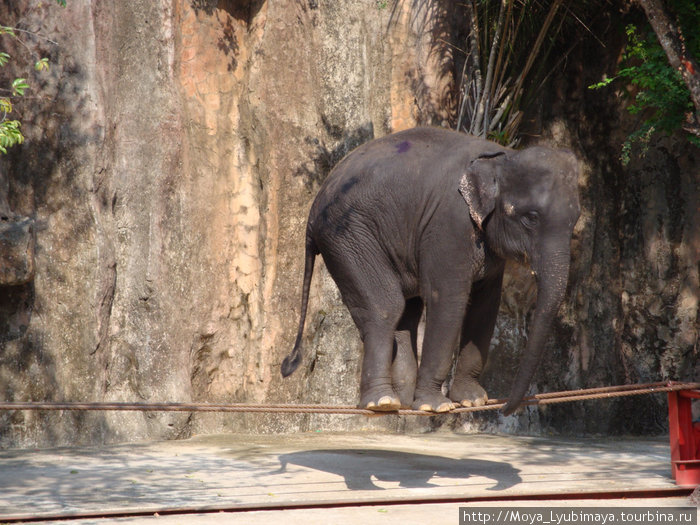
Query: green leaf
x=42 y=65
x=6 y=30
x=5 y=105
x=19 y=85
x=603 y=83
x=10 y=134
x=661 y=96
x=4 y=57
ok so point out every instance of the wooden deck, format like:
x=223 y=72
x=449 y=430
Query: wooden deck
x=303 y=471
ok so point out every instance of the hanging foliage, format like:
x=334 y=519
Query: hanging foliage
x=507 y=47
x=10 y=132
x=662 y=94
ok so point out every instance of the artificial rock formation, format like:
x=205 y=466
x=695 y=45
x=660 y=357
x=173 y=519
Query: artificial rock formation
x=169 y=164
x=170 y=161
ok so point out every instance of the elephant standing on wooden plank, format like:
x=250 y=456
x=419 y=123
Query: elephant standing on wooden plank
x=424 y=219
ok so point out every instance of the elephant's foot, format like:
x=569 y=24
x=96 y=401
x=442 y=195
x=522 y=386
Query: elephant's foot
x=405 y=392
x=380 y=400
x=432 y=402
x=468 y=393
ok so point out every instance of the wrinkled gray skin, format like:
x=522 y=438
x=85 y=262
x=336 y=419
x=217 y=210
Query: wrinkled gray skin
x=424 y=219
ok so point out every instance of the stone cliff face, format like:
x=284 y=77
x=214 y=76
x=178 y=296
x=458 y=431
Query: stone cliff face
x=169 y=166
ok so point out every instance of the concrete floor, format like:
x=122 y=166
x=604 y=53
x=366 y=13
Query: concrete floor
x=357 y=478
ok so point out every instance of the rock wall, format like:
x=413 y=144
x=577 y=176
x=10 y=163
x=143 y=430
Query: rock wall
x=169 y=164
x=170 y=161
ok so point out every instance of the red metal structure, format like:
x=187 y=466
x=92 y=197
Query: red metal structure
x=684 y=435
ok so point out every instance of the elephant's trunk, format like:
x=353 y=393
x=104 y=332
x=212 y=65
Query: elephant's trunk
x=551 y=267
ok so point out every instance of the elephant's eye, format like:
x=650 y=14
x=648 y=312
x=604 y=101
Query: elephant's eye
x=530 y=219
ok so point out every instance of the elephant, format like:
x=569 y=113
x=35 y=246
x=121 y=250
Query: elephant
x=423 y=220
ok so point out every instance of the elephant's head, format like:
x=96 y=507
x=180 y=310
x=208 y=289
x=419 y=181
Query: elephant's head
x=526 y=203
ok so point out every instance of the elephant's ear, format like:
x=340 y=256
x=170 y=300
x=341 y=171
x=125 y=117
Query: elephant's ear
x=479 y=185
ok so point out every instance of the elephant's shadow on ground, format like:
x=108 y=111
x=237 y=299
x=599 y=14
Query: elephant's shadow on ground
x=411 y=470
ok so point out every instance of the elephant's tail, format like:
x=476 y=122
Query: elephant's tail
x=291 y=362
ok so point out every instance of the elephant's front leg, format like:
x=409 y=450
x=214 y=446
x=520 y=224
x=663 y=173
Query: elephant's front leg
x=477 y=331
x=404 y=368
x=444 y=313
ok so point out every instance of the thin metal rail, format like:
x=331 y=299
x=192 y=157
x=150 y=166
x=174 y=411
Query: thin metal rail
x=223 y=510
x=493 y=404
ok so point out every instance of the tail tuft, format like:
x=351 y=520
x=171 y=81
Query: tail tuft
x=291 y=362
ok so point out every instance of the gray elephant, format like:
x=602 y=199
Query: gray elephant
x=425 y=219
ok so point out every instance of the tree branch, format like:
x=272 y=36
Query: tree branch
x=671 y=39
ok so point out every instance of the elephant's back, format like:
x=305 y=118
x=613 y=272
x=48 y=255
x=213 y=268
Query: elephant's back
x=394 y=184
x=410 y=158
x=404 y=153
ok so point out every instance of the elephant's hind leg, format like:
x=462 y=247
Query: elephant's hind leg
x=405 y=366
x=377 y=331
x=465 y=389
x=375 y=300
